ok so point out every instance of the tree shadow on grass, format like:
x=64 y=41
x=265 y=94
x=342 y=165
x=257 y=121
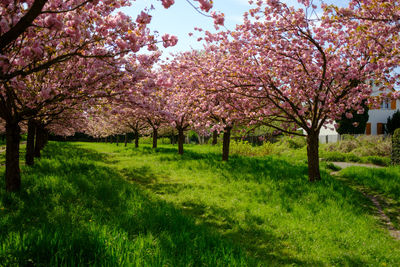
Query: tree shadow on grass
x=288 y=177
x=89 y=215
x=92 y=216
x=260 y=242
x=141 y=175
x=73 y=211
x=290 y=185
x=77 y=207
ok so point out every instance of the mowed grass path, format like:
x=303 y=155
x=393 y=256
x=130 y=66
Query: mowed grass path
x=99 y=204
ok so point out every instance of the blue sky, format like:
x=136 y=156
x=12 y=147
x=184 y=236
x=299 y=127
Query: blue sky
x=181 y=19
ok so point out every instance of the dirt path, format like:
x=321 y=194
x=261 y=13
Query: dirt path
x=349 y=164
x=3 y=147
x=379 y=201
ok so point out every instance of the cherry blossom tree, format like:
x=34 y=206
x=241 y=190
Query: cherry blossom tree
x=209 y=102
x=181 y=97
x=373 y=24
x=36 y=35
x=135 y=121
x=304 y=74
x=79 y=30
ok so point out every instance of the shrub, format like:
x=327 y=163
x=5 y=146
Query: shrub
x=396 y=147
x=348 y=144
x=297 y=142
x=393 y=123
x=382 y=161
x=334 y=156
x=352 y=158
x=244 y=148
x=346 y=126
x=292 y=142
x=362 y=146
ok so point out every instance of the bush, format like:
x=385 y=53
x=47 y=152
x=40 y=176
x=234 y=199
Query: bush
x=348 y=144
x=379 y=160
x=334 y=156
x=346 y=126
x=362 y=146
x=352 y=158
x=244 y=148
x=293 y=142
x=393 y=123
x=396 y=147
x=297 y=142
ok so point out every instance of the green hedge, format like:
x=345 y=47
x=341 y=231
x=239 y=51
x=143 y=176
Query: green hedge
x=396 y=147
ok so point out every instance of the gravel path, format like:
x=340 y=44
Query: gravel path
x=349 y=164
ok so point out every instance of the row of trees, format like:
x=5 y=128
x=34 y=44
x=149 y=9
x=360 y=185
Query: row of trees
x=289 y=70
x=76 y=64
x=59 y=58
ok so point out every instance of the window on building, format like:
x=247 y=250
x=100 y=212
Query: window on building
x=385 y=104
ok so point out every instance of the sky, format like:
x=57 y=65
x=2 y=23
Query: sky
x=181 y=19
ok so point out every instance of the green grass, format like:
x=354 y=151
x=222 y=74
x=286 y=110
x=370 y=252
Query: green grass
x=99 y=204
x=384 y=182
x=74 y=210
x=350 y=157
x=363 y=149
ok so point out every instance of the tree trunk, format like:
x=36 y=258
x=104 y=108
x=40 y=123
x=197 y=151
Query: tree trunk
x=215 y=138
x=155 y=135
x=136 y=139
x=126 y=139
x=181 y=140
x=226 y=142
x=13 y=175
x=45 y=138
x=313 y=157
x=117 y=140
x=30 y=143
x=39 y=144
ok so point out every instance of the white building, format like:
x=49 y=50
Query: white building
x=376 y=121
x=378 y=117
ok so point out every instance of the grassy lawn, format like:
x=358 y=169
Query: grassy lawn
x=99 y=204
x=384 y=182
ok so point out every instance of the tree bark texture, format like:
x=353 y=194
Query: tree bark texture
x=313 y=157
x=155 y=136
x=45 y=138
x=214 y=138
x=30 y=143
x=22 y=24
x=226 y=142
x=40 y=140
x=181 y=140
x=136 y=139
x=13 y=174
